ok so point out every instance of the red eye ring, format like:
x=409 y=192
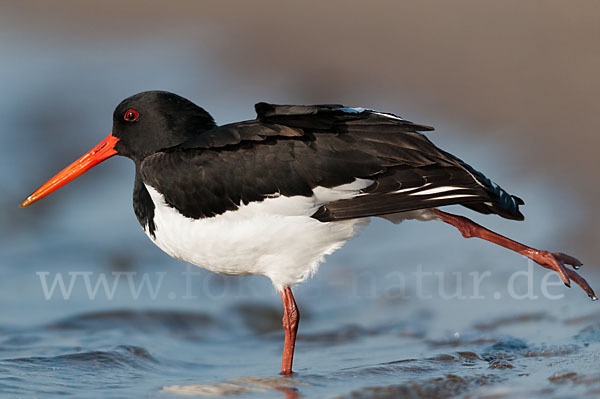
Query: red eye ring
x=131 y=116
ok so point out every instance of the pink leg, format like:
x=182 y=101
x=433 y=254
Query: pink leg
x=291 y=317
x=550 y=260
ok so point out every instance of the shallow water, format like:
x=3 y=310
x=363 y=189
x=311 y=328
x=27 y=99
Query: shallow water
x=165 y=353
x=396 y=313
x=365 y=330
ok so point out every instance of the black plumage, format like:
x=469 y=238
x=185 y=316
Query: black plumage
x=290 y=150
x=143 y=205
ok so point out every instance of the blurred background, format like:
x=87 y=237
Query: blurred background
x=511 y=87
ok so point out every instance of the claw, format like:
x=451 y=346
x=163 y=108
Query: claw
x=583 y=284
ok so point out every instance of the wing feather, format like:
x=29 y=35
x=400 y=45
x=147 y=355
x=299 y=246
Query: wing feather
x=290 y=150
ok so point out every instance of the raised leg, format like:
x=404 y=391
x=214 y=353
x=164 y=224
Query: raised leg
x=550 y=260
x=291 y=317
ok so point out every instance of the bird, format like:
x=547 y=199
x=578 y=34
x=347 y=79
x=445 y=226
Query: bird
x=274 y=195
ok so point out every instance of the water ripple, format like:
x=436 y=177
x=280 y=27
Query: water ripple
x=124 y=356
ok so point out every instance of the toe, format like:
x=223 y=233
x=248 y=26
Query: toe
x=553 y=261
x=568 y=260
x=583 y=284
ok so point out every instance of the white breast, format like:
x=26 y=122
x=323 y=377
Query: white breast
x=275 y=237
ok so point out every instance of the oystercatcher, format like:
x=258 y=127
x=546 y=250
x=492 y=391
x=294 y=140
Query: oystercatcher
x=274 y=195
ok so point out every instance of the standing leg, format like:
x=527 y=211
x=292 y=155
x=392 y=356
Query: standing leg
x=550 y=260
x=291 y=317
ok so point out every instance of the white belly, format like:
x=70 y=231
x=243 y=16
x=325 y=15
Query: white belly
x=275 y=237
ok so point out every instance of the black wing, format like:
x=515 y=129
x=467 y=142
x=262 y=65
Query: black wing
x=292 y=149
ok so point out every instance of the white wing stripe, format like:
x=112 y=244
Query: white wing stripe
x=404 y=190
x=437 y=190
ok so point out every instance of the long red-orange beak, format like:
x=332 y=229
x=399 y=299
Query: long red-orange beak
x=104 y=150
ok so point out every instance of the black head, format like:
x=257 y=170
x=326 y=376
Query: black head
x=150 y=121
x=143 y=124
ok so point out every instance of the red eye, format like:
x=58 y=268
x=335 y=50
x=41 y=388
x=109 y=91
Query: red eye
x=131 y=115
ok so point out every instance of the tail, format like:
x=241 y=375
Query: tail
x=501 y=202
